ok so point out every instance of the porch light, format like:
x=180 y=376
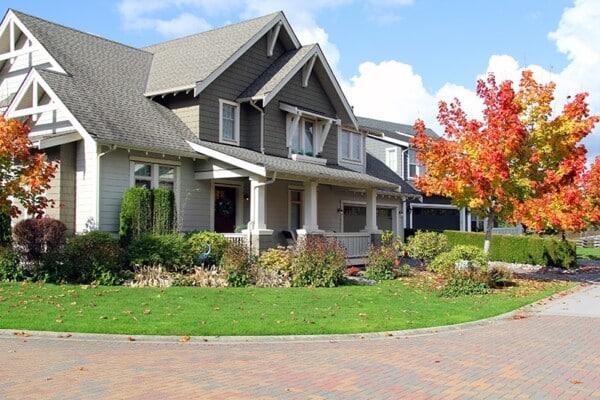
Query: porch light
x=340 y=211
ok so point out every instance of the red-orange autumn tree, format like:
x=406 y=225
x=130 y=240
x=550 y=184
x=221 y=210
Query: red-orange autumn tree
x=517 y=161
x=25 y=175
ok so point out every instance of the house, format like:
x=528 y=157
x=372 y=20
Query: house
x=389 y=143
x=248 y=127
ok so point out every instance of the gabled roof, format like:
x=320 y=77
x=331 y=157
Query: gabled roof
x=393 y=130
x=263 y=164
x=104 y=87
x=376 y=167
x=184 y=63
x=310 y=60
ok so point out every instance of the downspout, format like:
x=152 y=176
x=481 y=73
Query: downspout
x=110 y=150
x=262 y=125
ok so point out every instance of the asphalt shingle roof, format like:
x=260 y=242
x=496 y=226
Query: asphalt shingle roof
x=376 y=167
x=394 y=130
x=181 y=63
x=104 y=89
x=300 y=169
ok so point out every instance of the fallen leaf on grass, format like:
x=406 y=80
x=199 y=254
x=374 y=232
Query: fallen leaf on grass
x=184 y=339
x=146 y=312
x=58 y=321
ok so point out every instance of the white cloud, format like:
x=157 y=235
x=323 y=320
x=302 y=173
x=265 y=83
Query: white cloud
x=392 y=91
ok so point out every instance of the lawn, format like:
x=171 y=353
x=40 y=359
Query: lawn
x=588 y=253
x=387 y=306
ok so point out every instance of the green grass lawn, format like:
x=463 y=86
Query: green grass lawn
x=392 y=305
x=588 y=252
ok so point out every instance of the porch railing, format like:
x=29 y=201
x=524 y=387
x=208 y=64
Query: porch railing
x=237 y=238
x=356 y=244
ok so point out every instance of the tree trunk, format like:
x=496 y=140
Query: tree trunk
x=488 y=233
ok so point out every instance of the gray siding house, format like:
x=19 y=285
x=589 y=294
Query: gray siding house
x=249 y=128
x=389 y=143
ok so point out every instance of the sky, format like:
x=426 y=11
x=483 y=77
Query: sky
x=395 y=59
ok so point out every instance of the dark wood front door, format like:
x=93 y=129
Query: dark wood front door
x=225 y=199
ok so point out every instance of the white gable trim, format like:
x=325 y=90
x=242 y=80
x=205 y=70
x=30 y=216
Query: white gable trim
x=236 y=162
x=32 y=80
x=307 y=70
x=9 y=22
x=272 y=39
x=278 y=20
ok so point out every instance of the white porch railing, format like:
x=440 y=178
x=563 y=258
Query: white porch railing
x=355 y=243
x=518 y=230
x=237 y=238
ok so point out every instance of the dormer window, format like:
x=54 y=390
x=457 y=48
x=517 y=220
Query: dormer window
x=229 y=122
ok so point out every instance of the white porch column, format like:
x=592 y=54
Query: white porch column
x=310 y=208
x=371 y=226
x=258 y=200
x=463 y=219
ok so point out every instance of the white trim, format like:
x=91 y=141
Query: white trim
x=56 y=140
x=163 y=161
x=272 y=39
x=250 y=167
x=12 y=19
x=304 y=113
x=360 y=160
x=307 y=70
x=388 y=139
x=34 y=77
x=279 y=19
x=236 y=122
x=429 y=205
x=308 y=159
x=391 y=153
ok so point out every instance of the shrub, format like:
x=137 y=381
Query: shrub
x=381 y=262
x=163 y=214
x=388 y=239
x=499 y=275
x=216 y=241
x=95 y=257
x=36 y=237
x=521 y=249
x=5 y=231
x=10 y=265
x=465 y=283
x=236 y=264
x=171 y=251
x=425 y=246
x=318 y=262
x=276 y=259
x=446 y=263
x=135 y=218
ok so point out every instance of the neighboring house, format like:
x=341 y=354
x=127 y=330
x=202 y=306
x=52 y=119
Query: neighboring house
x=245 y=125
x=389 y=143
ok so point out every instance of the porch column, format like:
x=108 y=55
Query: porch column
x=258 y=213
x=310 y=208
x=259 y=236
x=371 y=226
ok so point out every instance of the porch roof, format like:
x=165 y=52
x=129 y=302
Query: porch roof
x=266 y=164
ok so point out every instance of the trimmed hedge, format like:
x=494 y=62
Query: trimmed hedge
x=521 y=249
x=163 y=211
x=135 y=219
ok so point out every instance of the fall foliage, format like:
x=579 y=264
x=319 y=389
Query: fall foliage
x=519 y=163
x=25 y=174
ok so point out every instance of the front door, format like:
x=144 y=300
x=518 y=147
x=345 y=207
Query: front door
x=225 y=206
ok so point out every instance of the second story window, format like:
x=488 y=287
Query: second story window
x=391 y=158
x=229 y=122
x=411 y=167
x=351 y=146
x=303 y=139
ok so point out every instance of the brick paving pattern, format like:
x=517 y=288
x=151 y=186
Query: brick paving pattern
x=529 y=355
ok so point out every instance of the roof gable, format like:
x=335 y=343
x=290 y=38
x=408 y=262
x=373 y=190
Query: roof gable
x=393 y=130
x=12 y=45
x=193 y=62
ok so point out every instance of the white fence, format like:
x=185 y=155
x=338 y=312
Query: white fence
x=589 y=241
x=518 y=230
x=238 y=238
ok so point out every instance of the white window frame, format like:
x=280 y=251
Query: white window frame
x=299 y=130
x=408 y=164
x=353 y=139
x=236 y=122
x=391 y=158
x=154 y=177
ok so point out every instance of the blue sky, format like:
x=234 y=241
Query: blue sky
x=395 y=59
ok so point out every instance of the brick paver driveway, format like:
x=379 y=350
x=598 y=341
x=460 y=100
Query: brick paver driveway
x=543 y=352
